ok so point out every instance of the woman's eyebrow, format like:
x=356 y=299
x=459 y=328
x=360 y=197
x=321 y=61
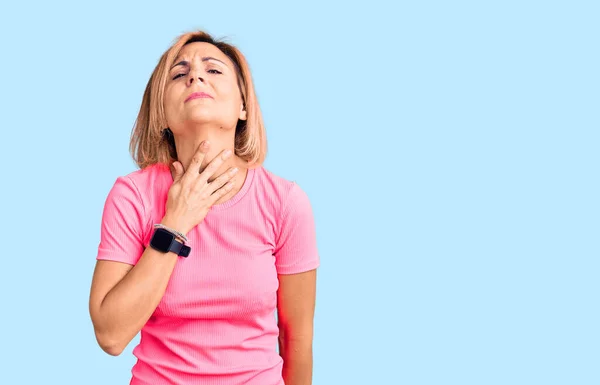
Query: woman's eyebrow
x=206 y=58
x=181 y=63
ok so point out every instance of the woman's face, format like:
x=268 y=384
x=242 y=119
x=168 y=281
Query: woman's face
x=202 y=88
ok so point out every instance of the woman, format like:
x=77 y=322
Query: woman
x=198 y=256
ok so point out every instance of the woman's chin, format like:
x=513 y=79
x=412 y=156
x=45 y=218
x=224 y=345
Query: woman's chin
x=206 y=122
x=201 y=114
x=201 y=118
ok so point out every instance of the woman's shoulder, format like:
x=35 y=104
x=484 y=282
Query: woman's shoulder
x=142 y=186
x=149 y=176
x=274 y=187
x=271 y=182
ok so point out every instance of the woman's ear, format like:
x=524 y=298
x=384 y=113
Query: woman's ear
x=243 y=113
x=167 y=133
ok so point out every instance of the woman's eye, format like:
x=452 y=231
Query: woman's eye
x=178 y=75
x=213 y=71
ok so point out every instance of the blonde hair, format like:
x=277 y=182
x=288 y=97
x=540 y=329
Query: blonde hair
x=152 y=142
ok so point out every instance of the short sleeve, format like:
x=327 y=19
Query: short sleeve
x=121 y=230
x=296 y=248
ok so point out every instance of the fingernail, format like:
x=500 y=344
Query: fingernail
x=227 y=152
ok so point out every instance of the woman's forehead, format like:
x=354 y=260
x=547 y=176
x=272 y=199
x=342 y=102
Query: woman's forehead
x=201 y=49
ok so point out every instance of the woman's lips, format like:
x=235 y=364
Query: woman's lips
x=197 y=95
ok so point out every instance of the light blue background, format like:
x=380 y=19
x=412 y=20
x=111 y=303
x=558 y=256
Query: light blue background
x=449 y=149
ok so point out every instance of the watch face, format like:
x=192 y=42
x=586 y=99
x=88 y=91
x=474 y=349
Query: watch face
x=161 y=240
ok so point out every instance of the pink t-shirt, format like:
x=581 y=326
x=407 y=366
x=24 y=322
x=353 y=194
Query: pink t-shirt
x=216 y=321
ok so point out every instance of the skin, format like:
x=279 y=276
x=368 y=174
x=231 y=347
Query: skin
x=122 y=296
x=204 y=119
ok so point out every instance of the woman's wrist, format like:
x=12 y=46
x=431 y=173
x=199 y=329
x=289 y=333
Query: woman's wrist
x=172 y=224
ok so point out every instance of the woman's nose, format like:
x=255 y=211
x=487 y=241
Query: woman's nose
x=195 y=78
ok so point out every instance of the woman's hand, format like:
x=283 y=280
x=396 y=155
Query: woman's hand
x=191 y=195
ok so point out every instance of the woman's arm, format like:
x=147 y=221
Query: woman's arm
x=123 y=297
x=295 y=313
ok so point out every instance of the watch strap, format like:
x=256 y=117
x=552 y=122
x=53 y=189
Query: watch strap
x=175 y=246
x=179 y=248
x=158 y=242
x=185 y=251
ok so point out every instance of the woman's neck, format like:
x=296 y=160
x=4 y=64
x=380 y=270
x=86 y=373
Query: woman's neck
x=219 y=141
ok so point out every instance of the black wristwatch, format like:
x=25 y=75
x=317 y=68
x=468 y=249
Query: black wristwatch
x=165 y=241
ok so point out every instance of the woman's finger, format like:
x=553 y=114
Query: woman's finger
x=221 y=192
x=213 y=166
x=222 y=180
x=178 y=171
x=194 y=167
